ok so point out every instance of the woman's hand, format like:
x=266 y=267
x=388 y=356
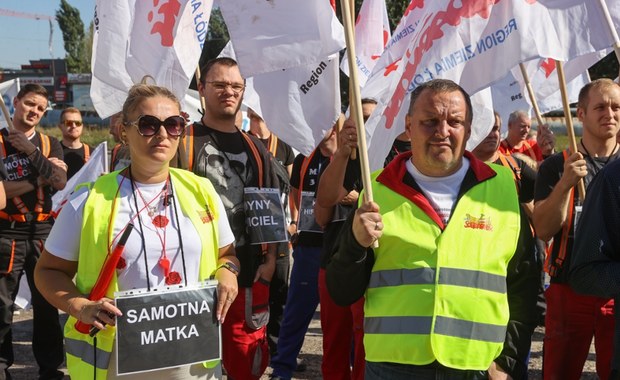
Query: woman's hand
x=227 y=290
x=96 y=313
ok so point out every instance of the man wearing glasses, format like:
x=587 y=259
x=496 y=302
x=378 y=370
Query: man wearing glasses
x=75 y=152
x=233 y=160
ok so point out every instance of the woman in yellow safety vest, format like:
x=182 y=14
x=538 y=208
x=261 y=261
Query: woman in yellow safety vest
x=159 y=202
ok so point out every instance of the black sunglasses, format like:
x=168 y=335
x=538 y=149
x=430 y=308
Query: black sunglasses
x=149 y=125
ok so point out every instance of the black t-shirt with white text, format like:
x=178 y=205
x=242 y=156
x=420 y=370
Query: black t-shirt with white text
x=19 y=168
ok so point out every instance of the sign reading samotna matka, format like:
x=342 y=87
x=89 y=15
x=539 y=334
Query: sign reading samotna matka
x=166 y=328
x=264 y=215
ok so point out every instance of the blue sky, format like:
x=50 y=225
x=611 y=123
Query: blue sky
x=23 y=39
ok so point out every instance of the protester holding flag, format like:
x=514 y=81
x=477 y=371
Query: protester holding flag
x=573 y=319
x=303 y=295
x=35 y=169
x=180 y=236
x=337 y=197
x=519 y=125
x=75 y=152
x=449 y=231
x=233 y=161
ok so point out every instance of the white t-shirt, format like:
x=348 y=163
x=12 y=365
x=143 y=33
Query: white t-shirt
x=64 y=239
x=440 y=191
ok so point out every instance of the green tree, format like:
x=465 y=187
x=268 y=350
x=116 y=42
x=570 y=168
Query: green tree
x=88 y=45
x=73 y=36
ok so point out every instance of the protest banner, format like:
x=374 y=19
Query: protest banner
x=475 y=43
x=167 y=327
x=269 y=36
x=96 y=165
x=264 y=215
x=137 y=38
x=306 y=220
x=372 y=32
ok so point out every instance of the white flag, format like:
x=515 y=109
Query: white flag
x=274 y=35
x=8 y=90
x=475 y=43
x=299 y=105
x=372 y=32
x=397 y=44
x=96 y=165
x=544 y=77
x=163 y=39
x=507 y=98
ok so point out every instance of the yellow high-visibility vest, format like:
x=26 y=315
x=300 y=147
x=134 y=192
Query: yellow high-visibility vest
x=88 y=358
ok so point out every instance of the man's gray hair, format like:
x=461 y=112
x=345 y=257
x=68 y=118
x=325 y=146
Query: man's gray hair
x=514 y=116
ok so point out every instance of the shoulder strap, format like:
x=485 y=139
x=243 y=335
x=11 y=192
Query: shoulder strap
x=273 y=144
x=256 y=154
x=554 y=263
x=188 y=141
x=530 y=151
x=45 y=144
x=86 y=153
x=2 y=148
x=511 y=163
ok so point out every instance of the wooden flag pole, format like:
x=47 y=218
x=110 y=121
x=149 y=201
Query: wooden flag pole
x=356 y=102
x=530 y=92
x=612 y=29
x=569 y=122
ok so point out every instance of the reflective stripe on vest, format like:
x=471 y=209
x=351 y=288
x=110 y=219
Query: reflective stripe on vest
x=447 y=276
x=445 y=326
x=86 y=352
x=192 y=192
x=436 y=294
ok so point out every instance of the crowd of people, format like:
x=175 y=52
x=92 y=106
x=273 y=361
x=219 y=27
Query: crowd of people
x=440 y=275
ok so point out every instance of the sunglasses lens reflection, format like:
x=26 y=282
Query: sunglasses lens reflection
x=149 y=125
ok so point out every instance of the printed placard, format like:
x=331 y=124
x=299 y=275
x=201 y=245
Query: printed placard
x=264 y=215
x=306 y=213
x=166 y=328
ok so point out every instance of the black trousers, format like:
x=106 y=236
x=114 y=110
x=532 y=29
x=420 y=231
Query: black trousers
x=278 y=290
x=47 y=336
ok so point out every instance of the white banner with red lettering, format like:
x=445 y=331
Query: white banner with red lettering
x=475 y=43
x=274 y=35
x=544 y=77
x=372 y=32
x=162 y=39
